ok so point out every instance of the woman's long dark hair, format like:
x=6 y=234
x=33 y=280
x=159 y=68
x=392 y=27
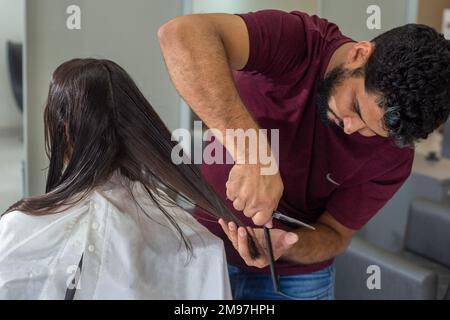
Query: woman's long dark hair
x=98 y=122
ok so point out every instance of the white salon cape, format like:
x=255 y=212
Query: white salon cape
x=126 y=255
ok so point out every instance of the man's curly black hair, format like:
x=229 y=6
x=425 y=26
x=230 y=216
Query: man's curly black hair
x=410 y=71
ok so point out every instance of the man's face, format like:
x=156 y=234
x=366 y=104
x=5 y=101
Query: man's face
x=343 y=101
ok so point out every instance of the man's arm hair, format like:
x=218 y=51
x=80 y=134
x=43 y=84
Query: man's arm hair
x=326 y=242
x=200 y=52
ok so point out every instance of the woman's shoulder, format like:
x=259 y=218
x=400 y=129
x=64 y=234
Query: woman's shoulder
x=18 y=228
x=11 y=227
x=13 y=220
x=18 y=217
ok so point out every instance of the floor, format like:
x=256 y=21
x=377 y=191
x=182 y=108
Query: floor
x=11 y=156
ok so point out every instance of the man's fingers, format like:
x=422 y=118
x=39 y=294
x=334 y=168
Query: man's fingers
x=251 y=232
x=289 y=239
x=262 y=217
x=243 y=246
x=224 y=226
x=230 y=231
x=239 y=204
x=285 y=241
x=245 y=252
x=269 y=224
x=230 y=195
x=232 y=228
x=249 y=211
x=261 y=247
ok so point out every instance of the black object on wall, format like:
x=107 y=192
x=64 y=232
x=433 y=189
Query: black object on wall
x=14 y=53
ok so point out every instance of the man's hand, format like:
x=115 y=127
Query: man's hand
x=255 y=194
x=281 y=242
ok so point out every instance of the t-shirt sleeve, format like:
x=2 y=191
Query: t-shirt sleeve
x=354 y=206
x=281 y=41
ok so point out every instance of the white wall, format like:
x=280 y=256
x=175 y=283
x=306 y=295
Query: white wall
x=123 y=31
x=236 y=6
x=11 y=28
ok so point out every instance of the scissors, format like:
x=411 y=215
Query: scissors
x=279 y=216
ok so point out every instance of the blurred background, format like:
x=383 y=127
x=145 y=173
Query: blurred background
x=12 y=35
x=409 y=239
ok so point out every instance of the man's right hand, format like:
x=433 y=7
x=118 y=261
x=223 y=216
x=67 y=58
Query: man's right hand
x=255 y=194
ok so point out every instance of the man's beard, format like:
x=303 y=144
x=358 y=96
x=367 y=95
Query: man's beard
x=326 y=88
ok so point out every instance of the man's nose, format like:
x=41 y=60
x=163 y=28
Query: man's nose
x=351 y=125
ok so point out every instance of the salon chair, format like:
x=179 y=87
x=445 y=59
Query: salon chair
x=420 y=271
x=427 y=240
x=400 y=278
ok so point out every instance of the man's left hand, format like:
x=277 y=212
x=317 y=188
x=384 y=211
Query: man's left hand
x=281 y=241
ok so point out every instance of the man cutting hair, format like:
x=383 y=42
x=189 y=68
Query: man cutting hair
x=348 y=115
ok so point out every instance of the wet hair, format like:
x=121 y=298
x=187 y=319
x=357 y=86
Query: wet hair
x=97 y=123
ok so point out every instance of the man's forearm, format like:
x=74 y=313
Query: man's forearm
x=198 y=65
x=316 y=246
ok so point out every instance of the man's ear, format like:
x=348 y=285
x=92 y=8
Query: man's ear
x=359 y=54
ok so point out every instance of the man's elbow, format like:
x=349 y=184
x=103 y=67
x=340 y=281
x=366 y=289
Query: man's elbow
x=344 y=243
x=174 y=30
x=169 y=30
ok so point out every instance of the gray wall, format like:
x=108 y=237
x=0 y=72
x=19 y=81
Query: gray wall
x=11 y=28
x=123 y=31
x=351 y=16
x=241 y=6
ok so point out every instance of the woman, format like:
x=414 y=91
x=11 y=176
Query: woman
x=106 y=228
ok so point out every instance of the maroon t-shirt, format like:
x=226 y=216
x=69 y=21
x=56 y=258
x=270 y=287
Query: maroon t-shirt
x=322 y=168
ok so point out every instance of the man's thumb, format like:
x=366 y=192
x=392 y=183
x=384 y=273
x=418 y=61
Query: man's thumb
x=290 y=238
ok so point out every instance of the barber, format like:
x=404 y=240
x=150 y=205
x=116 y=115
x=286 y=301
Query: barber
x=348 y=115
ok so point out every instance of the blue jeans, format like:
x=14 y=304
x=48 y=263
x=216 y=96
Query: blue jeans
x=318 y=285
